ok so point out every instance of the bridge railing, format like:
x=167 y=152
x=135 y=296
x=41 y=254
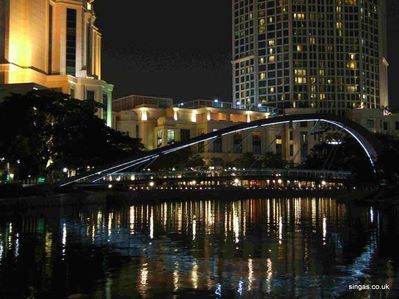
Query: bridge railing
x=232 y=173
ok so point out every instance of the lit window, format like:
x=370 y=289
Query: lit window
x=262 y=76
x=299 y=16
x=351 y=65
x=170 y=136
x=159 y=137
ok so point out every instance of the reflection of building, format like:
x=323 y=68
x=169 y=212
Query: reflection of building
x=157 y=122
x=327 y=55
x=54 y=44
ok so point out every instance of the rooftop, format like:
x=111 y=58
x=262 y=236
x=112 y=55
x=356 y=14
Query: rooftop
x=135 y=101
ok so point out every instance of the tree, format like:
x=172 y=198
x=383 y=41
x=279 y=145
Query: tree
x=45 y=131
x=182 y=159
x=248 y=160
x=272 y=160
x=347 y=156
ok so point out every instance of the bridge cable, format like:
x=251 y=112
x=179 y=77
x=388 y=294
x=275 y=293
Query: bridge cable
x=343 y=135
x=267 y=147
x=120 y=169
x=242 y=141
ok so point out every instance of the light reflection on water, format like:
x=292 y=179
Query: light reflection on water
x=278 y=247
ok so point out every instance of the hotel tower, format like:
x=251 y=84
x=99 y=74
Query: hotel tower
x=53 y=44
x=329 y=55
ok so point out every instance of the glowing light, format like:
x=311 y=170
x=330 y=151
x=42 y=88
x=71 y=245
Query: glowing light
x=16 y=245
x=218 y=291
x=239 y=130
x=144 y=276
x=1 y=249
x=269 y=275
x=371 y=215
x=152 y=224
x=236 y=225
x=240 y=287
x=194 y=116
x=194 y=229
x=176 y=277
x=64 y=239
x=151 y=184
x=194 y=275
x=250 y=274
x=144 y=115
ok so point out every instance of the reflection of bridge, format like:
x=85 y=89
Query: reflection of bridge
x=368 y=142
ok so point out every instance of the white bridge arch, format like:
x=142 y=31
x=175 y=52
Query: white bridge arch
x=368 y=142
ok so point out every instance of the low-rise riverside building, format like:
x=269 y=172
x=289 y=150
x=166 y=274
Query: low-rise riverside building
x=159 y=122
x=376 y=120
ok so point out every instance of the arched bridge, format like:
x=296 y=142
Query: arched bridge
x=368 y=142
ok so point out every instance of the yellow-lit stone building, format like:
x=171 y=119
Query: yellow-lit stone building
x=158 y=122
x=54 y=44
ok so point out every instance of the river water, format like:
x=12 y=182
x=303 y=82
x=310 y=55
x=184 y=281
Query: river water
x=279 y=248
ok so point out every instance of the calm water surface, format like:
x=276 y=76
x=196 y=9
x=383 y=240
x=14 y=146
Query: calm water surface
x=280 y=248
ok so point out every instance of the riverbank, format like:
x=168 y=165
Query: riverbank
x=117 y=197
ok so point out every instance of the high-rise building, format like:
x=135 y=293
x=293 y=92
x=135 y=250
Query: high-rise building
x=54 y=44
x=329 y=55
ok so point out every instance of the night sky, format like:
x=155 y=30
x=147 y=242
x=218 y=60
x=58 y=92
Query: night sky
x=182 y=49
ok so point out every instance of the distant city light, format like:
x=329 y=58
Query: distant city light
x=151 y=184
x=334 y=142
x=65 y=170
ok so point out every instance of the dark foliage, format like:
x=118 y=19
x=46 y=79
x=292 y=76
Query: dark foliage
x=44 y=131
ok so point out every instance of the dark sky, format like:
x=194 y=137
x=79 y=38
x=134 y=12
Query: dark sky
x=172 y=48
x=182 y=49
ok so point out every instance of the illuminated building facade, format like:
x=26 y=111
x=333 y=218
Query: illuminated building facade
x=328 y=55
x=158 y=122
x=54 y=44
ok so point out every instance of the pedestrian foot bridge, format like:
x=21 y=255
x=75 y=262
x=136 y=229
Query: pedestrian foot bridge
x=368 y=142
